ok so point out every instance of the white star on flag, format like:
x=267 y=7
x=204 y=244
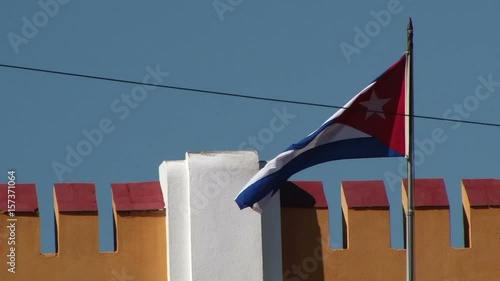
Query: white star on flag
x=374 y=105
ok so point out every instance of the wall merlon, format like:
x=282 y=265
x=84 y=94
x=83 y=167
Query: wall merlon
x=432 y=213
x=365 y=213
x=481 y=202
x=27 y=221
x=75 y=207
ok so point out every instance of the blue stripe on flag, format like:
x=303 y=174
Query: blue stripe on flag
x=344 y=149
x=303 y=143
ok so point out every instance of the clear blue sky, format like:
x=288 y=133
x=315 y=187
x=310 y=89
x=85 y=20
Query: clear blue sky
x=279 y=49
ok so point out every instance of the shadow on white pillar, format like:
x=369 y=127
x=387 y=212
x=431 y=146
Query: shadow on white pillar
x=174 y=186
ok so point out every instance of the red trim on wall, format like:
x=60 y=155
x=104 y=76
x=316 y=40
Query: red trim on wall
x=140 y=196
x=365 y=194
x=25 y=197
x=429 y=193
x=76 y=197
x=482 y=192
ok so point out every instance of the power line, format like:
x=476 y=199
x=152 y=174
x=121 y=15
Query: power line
x=219 y=93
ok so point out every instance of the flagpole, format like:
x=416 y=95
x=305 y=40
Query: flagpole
x=410 y=243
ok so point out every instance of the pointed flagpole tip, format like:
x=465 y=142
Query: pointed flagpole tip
x=409 y=30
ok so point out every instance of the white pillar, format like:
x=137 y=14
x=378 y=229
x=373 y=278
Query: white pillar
x=209 y=237
x=226 y=243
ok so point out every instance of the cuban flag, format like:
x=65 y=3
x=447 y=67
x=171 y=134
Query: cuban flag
x=372 y=124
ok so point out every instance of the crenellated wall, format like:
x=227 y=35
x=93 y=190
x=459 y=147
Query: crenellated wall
x=367 y=254
x=140 y=235
x=141 y=227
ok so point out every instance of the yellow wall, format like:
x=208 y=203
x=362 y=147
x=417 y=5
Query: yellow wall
x=140 y=256
x=369 y=256
x=141 y=241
